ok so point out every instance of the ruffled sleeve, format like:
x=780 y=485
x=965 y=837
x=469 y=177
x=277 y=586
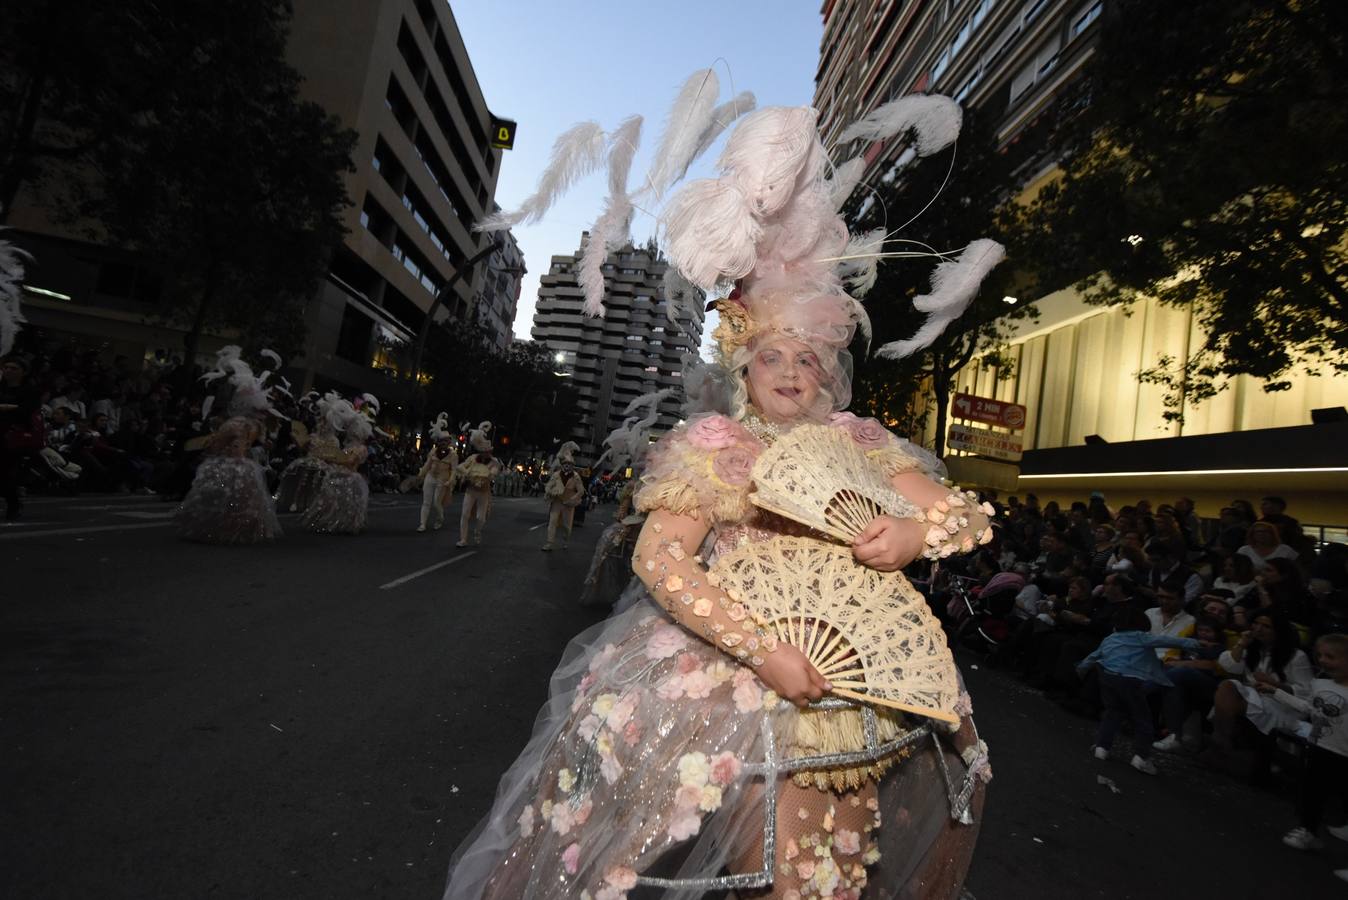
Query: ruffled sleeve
x=701 y=469
x=894 y=454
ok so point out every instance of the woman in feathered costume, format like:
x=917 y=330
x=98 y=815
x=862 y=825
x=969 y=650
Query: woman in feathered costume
x=343 y=500
x=663 y=757
x=228 y=502
x=477 y=472
x=302 y=479
x=437 y=474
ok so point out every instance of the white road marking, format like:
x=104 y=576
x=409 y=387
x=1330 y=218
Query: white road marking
x=538 y=526
x=94 y=529
x=419 y=572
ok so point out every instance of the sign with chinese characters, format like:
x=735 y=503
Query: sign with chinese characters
x=502 y=133
x=985 y=409
x=984 y=443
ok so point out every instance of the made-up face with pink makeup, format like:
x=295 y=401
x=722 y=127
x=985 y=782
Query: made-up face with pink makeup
x=784 y=379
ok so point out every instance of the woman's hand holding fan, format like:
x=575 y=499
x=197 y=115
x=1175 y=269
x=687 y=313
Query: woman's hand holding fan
x=888 y=544
x=792 y=676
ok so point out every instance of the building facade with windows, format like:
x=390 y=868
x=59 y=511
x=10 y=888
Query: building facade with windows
x=495 y=303
x=1091 y=425
x=397 y=73
x=633 y=350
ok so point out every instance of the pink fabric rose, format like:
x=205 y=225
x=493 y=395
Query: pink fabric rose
x=610 y=768
x=622 y=712
x=622 y=878
x=866 y=433
x=698 y=685
x=583 y=813
x=805 y=869
x=631 y=734
x=665 y=641
x=571 y=859
x=685 y=824
x=725 y=768
x=688 y=796
x=671 y=688
x=687 y=662
x=733 y=465
x=847 y=842
x=588 y=726
x=713 y=433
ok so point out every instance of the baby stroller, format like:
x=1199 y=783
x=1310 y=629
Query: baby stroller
x=982 y=615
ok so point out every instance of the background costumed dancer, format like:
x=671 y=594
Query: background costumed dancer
x=564 y=491
x=689 y=736
x=301 y=480
x=343 y=500
x=228 y=502
x=437 y=474
x=477 y=472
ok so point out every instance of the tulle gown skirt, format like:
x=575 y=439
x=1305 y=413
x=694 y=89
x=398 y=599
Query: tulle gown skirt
x=300 y=483
x=643 y=762
x=340 y=505
x=228 y=504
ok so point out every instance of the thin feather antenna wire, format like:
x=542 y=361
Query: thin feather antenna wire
x=935 y=119
x=860 y=262
x=610 y=230
x=688 y=120
x=954 y=284
x=576 y=153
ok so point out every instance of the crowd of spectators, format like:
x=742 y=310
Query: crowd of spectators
x=1251 y=591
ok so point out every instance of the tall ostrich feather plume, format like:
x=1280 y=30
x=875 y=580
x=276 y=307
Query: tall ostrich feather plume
x=954 y=284
x=578 y=152
x=935 y=119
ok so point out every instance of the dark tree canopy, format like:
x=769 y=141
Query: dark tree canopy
x=196 y=151
x=1208 y=171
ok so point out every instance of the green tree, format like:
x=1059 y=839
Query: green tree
x=1207 y=170
x=970 y=189
x=219 y=175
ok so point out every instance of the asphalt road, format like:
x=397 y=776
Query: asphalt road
x=326 y=717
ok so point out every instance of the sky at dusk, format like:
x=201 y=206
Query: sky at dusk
x=549 y=65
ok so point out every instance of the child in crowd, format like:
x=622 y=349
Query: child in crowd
x=1129 y=671
x=1325 y=726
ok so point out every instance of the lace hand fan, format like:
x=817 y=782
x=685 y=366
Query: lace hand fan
x=819 y=477
x=869 y=633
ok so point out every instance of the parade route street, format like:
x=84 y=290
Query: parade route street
x=327 y=717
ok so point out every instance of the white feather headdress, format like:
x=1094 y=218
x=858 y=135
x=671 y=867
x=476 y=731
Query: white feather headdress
x=765 y=233
x=252 y=394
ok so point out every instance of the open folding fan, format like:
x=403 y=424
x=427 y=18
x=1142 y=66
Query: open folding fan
x=818 y=476
x=868 y=632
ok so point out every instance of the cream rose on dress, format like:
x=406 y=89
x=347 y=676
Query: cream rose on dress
x=622 y=878
x=847 y=842
x=713 y=433
x=733 y=465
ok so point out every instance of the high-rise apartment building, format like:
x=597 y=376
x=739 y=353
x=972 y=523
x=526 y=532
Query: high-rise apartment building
x=495 y=303
x=1075 y=368
x=396 y=72
x=633 y=350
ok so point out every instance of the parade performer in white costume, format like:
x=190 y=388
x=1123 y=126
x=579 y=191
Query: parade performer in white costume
x=564 y=491
x=301 y=480
x=228 y=502
x=687 y=744
x=343 y=501
x=437 y=474
x=477 y=471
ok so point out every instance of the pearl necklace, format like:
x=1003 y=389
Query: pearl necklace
x=761 y=428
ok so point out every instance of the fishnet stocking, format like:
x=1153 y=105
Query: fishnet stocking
x=825 y=840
